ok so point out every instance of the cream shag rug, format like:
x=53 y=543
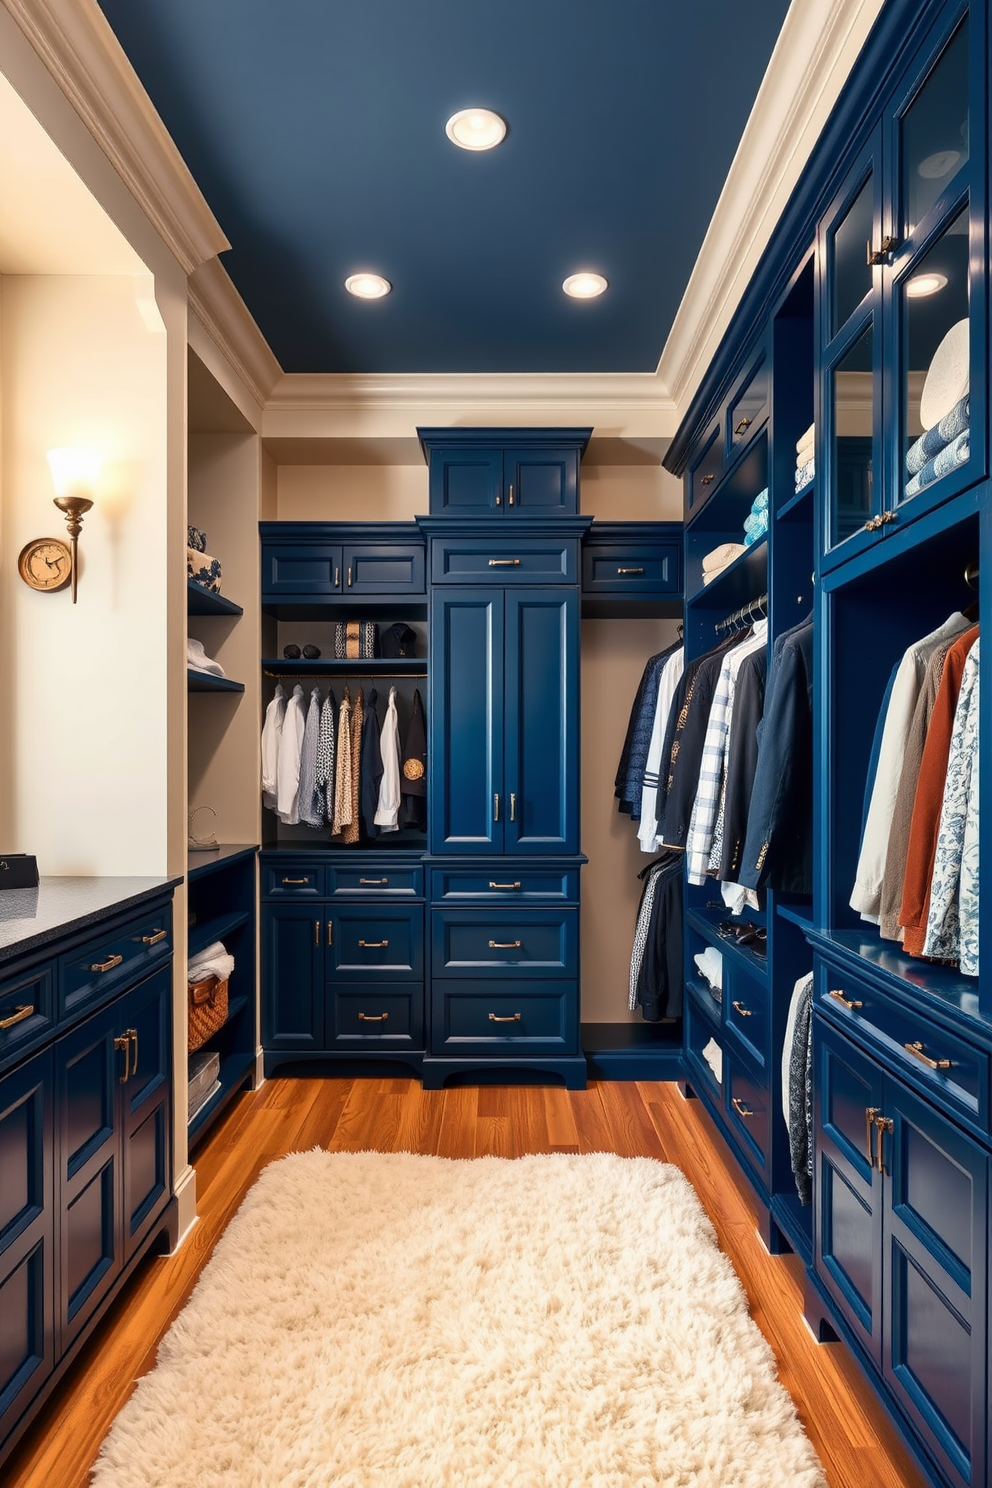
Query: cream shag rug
x=417 y=1322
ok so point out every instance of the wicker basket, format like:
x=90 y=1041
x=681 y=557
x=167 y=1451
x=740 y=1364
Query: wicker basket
x=206 y=1011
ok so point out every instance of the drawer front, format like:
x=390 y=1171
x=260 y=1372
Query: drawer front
x=748 y=1111
x=376 y=1016
x=491 y=942
x=648 y=569
x=706 y=471
x=504 y=560
x=749 y=409
x=383 y=568
x=27 y=1008
x=506 y=884
x=111 y=959
x=370 y=942
x=301 y=568
x=290 y=881
x=911 y=1042
x=366 y=882
x=745 y=1012
x=532 y=1017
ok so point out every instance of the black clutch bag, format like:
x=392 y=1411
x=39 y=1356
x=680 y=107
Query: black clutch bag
x=19 y=871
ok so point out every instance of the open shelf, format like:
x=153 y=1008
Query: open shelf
x=200 y=601
x=235 y=1071
x=200 y=936
x=799 y=914
x=802 y=501
x=200 y=862
x=377 y=666
x=705 y=923
x=740 y=581
x=204 y=682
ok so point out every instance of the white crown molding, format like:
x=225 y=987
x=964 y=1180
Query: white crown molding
x=225 y=318
x=76 y=44
x=813 y=56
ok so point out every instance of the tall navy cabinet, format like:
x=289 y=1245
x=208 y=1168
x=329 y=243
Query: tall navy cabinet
x=504 y=573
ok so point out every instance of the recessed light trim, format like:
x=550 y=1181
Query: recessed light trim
x=922 y=285
x=367 y=286
x=475 y=129
x=585 y=285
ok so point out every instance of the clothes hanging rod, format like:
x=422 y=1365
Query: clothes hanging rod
x=358 y=676
x=746 y=612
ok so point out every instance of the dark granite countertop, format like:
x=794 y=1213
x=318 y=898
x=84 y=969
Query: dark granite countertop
x=30 y=918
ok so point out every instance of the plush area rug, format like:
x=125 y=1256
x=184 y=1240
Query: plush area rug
x=418 y=1322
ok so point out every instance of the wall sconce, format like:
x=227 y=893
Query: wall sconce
x=74 y=475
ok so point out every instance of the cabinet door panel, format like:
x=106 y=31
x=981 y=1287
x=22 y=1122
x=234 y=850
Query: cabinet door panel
x=89 y=1070
x=848 y=1217
x=373 y=941
x=382 y=568
x=293 y=958
x=27 y=1266
x=146 y=1013
x=542 y=722
x=466 y=482
x=541 y=482
x=466 y=722
x=300 y=568
x=936 y=1325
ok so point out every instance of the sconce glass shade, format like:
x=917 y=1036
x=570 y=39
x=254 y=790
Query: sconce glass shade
x=74 y=470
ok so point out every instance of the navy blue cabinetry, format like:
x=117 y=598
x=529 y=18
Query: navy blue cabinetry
x=85 y=1121
x=504 y=472
x=340 y=561
x=293 y=972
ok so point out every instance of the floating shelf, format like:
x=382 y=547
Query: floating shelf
x=703 y=924
x=798 y=501
x=378 y=666
x=202 y=861
x=200 y=936
x=200 y=601
x=205 y=682
x=740 y=581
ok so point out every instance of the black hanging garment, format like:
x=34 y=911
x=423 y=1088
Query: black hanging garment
x=629 y=780
x=656 y=970
x=413 y=771
x=371 y=776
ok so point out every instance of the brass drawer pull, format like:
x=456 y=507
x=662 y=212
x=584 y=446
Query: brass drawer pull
x=513 y=805
x=513 y=1018
x=316 y=932
x=511 y=494
x=504 y=563
x=884 y=1124
x=871 y=1112
x=918 y=1053
x=296 y=880
x=337 y=578
x=330 y=932
x=745 y=1012
x=372 y=1017
x=744 y=424
x=503 y=886
x=496 y=807
x=349 y=575
x=373 y=945
x=504 y=945
x=132 y=1036
x=123 y=1042
x=707 y=480
x=848 y=1002
x=154 y=939
x=107 y=965
x=630 y=570
x=741 y=1108
x=373 y=880
x=17 y=1016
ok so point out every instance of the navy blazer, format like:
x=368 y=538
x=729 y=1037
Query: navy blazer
x=778 y=849
x=678 y=777
x=742 y=759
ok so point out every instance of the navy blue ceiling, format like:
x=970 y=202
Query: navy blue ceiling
x=315 y=129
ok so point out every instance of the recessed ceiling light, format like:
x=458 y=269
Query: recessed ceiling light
x=938 y=165
x=922 y=285
x=475 y=129
x=367 y=286
x=584 y=286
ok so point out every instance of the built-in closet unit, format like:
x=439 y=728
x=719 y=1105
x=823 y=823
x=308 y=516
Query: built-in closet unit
x=224 y=485
x=896 y=1237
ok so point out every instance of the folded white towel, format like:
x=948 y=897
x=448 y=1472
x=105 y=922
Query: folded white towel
x=213 y=960
x=710 y=966
x=718 y=558
x=198 y=660
x=806 y=438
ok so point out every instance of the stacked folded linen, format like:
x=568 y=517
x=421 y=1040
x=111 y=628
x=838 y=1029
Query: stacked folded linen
x=197 y=659
x=203 y=569
x=940 y=449
x=718 y=559
x=756 y=523
x=804 y=457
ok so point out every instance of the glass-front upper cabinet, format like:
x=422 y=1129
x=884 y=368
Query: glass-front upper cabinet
x=901 y=258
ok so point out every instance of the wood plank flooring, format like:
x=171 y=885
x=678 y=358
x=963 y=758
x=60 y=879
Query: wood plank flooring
x=856 y=1444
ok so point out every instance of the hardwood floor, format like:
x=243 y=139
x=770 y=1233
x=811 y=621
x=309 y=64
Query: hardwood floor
x=855 y=1442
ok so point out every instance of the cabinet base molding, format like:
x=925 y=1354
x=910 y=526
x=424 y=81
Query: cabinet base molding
x=503 y=1071
x=162 y=1240
x=376 y=1064
x=633 y=1051
x=185 y=1198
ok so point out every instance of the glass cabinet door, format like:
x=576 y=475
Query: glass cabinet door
x=853 y=389
x=849 y=245
x=934 y=144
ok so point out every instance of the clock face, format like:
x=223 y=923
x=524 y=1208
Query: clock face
x=45 y=564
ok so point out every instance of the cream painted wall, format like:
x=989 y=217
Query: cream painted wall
x=85 y=778
x=613 y=657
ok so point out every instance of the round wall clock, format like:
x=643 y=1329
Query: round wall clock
x=45 y=564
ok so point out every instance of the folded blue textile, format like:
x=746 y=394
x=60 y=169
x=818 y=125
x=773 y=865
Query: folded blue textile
x=754 y=522
x=930 y=444
x=760 y=502
x=757 y=531
x=948 y=459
